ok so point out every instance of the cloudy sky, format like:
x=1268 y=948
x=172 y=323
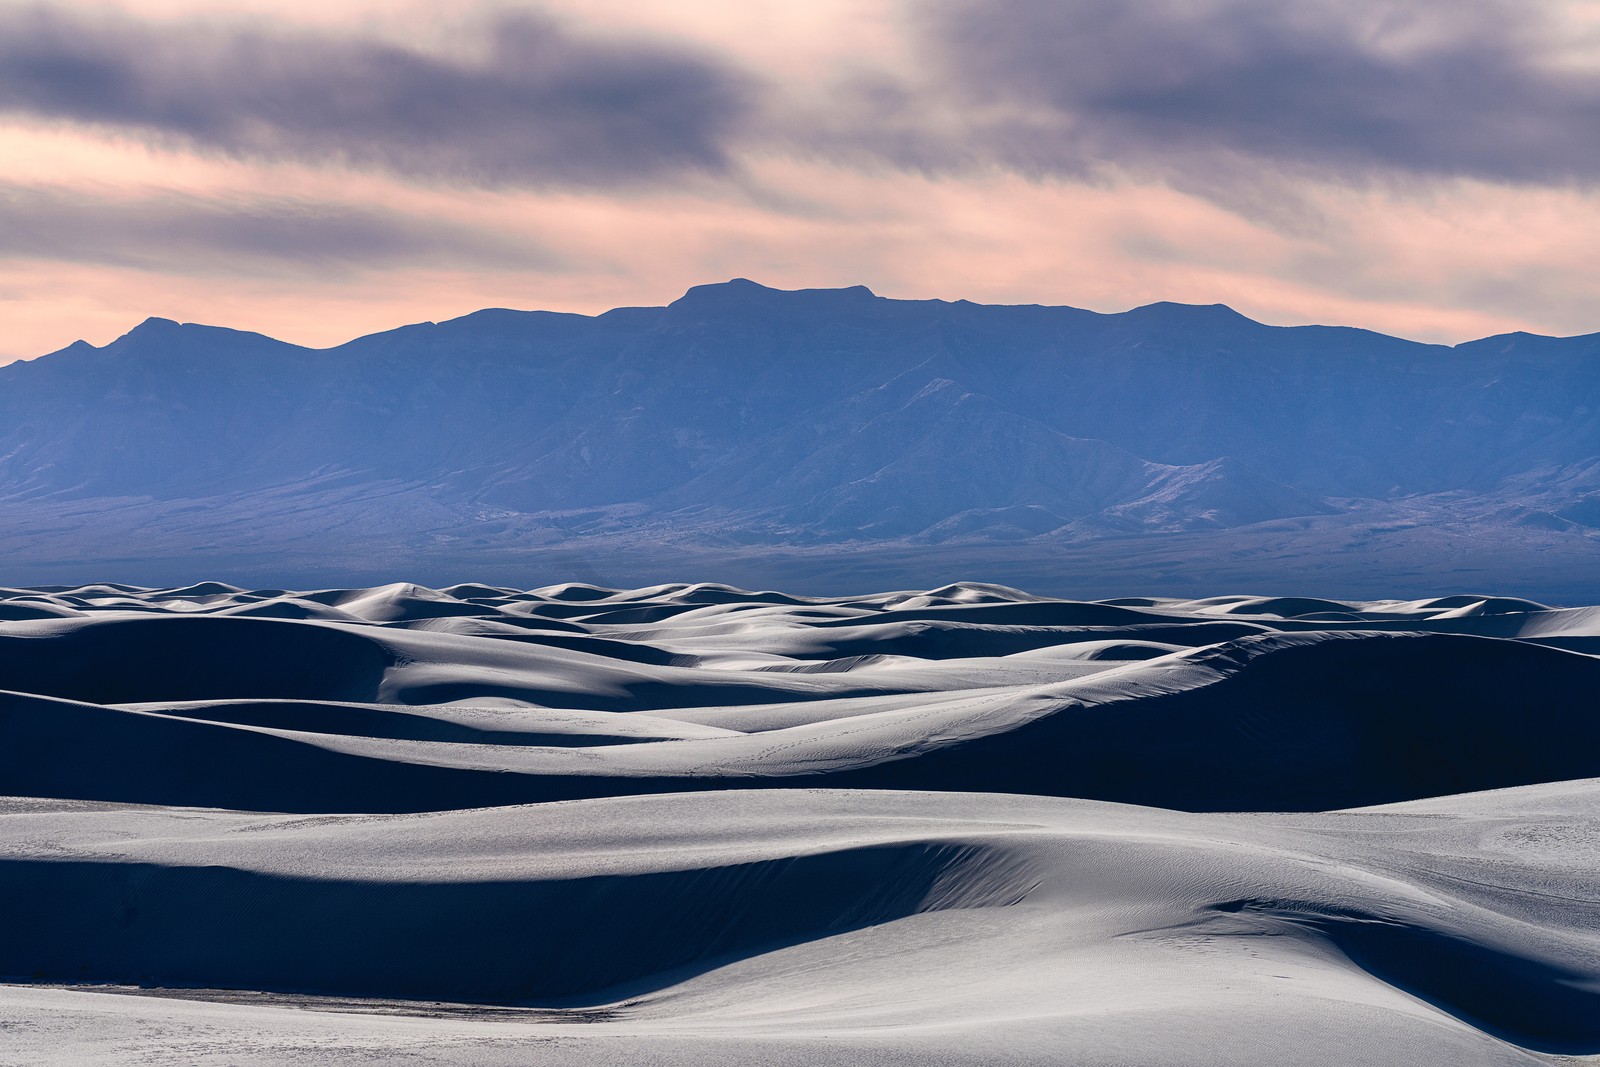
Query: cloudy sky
x=319 y=171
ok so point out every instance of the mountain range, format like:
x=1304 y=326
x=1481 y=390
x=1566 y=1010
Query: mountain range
x=812 y=437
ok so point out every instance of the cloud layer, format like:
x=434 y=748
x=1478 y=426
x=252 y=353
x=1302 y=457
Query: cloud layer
x=1419 y=166
x=1046 y=86
x=537 y=103
x=181 y=233
x=1352 y=88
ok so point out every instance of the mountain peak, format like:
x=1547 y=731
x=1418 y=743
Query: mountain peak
x=154 y=324
x=744 y=292
x=153 y=329
x=722 y=292
x=1172 y=310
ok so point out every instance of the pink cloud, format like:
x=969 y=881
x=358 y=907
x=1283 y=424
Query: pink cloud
x=1439 y=258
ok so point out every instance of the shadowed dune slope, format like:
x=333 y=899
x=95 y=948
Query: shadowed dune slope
x=1309 y=722
x=958 y=827
x=123 y=659
x=506 y=941
x=177 y=701
x=821 y=912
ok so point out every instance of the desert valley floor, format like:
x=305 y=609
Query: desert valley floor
x=698 y=825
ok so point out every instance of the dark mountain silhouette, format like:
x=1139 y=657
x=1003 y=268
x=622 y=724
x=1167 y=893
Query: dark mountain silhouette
x=743 y=415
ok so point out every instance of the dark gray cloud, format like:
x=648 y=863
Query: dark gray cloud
x=1353 y=88
x=175 y=233
x=1223 y=97
x=535 y=104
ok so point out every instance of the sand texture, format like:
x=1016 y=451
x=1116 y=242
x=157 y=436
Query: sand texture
x=702 y=825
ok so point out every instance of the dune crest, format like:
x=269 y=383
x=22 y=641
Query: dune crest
x=722 y=826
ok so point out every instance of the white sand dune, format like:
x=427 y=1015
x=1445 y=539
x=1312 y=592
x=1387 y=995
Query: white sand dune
x=710 y=826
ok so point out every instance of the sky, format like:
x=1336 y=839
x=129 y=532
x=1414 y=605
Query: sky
x=1427 y=168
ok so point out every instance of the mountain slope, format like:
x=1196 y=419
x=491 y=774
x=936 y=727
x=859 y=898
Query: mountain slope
x=746 y=415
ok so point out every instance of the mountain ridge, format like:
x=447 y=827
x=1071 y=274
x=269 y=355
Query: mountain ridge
x=740 y=415
x=694 y=294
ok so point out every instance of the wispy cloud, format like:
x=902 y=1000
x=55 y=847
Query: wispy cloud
x=182 y=233
x=1419 y=166
x=534 y=104
x=1062 y=87
x=1351 y=89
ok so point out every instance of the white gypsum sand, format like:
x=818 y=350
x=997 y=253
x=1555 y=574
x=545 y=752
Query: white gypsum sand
x=693 y=824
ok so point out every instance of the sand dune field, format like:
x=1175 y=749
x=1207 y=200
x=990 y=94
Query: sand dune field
x=692 y=824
